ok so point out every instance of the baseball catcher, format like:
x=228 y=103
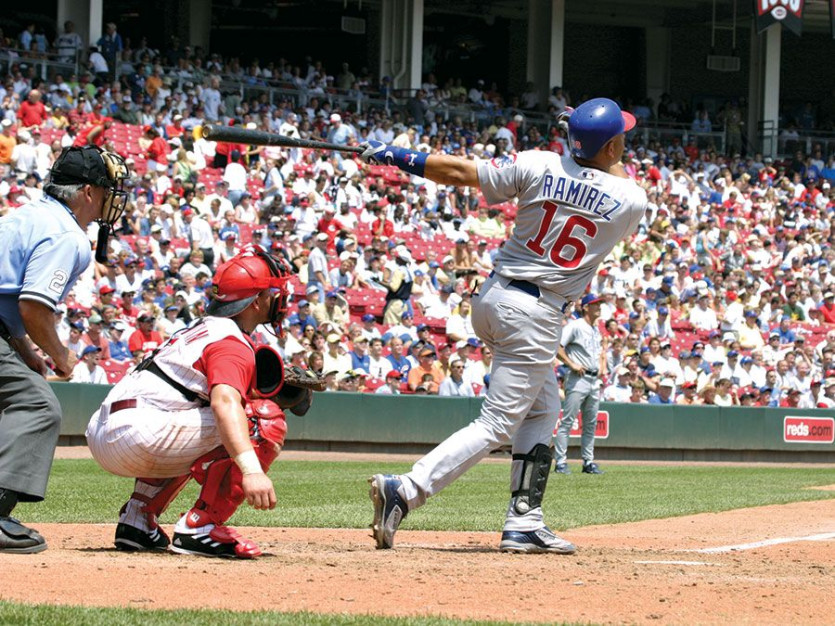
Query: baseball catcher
x=206 y=405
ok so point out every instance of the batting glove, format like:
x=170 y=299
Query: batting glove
x=407 y=160
x=562 y=118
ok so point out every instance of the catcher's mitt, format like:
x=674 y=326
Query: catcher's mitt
x=297 y=377
x=297 y=392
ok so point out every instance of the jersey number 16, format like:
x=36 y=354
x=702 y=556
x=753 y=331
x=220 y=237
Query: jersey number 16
x=566 y=239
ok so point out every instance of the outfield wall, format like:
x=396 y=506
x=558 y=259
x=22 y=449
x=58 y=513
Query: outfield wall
x=369 y=423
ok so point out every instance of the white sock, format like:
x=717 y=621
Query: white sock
x=184 y=529
x=134 y=514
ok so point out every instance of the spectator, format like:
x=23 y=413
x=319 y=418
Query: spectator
x=119 y=349
x=426 y=360
x=397 y=279
x=32 y=111
x=145 y=339
x=454 y=384
x=396 y=357
x=88 y=370
x=336 y=358
x=360 y=359
x=619 y=390
x=664 y=394
x=392 y=385
x=331 y=311
x=94 y=336
x=111 y=48
x=688 y=394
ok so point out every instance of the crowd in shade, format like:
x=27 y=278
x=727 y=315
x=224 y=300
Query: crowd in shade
x=724 y=296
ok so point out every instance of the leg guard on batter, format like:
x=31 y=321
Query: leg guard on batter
x=532 y=478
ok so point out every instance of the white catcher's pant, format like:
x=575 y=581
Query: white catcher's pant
x=522 y=403
x=149 y=442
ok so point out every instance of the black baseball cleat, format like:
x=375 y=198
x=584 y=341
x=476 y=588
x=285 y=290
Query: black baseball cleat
x=591 y=468
x=221 y=541
x=15 y=538
x=133 y=539
x=562 y=468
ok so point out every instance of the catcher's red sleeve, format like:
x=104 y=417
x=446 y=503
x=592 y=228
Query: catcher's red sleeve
x=228 y=362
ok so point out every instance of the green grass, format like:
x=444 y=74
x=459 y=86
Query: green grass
x=41 y=615
x=335 y=495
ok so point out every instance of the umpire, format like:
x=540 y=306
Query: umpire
x=581 y=350
x=44 y=248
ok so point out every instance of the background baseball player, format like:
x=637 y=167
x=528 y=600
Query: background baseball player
x=581 y=349
x=44 y=248
x=183 y=413
x=572 y=211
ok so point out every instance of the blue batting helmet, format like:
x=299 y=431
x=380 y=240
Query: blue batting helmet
x=595 y=122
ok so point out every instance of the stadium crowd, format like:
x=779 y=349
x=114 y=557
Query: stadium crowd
x=724 y=296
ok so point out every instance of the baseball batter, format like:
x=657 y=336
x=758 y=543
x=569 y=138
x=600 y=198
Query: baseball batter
x=572 y=210
x=184 y=413
x=43 y=250
x=581 y=350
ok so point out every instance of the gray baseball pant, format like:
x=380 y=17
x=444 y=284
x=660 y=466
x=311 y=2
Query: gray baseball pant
x=30 y=420
x=582 y=395
x=522 y=403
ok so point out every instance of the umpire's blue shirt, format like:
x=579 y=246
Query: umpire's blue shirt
x=43 y=251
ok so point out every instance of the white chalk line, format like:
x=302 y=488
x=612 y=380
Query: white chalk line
x=675 y=563
x=761 y=544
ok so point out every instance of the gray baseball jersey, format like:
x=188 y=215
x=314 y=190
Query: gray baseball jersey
x=582 y=343
x=569 y=217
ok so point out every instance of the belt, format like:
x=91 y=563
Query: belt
x=529 y=288
x=120 y=405
x=591 y=373
x=523 y=285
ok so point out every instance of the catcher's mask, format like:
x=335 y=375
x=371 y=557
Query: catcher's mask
x=94 y=166
x=238 y=282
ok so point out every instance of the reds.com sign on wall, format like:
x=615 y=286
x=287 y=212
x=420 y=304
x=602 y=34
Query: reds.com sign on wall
x=808 y=429
x=601 y=430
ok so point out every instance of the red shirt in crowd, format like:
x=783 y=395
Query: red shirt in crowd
x=31 y=114
x=828 y=313
x=158 y=150
x=140 y=342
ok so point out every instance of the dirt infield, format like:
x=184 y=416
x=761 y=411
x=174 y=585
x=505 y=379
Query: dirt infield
x=644 y=572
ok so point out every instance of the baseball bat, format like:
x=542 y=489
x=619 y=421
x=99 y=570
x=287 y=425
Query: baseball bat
x=236 y=134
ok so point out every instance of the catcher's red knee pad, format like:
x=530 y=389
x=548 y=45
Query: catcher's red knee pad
x=221 y=479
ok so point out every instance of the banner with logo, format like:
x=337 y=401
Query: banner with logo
x=601 y=430
x=786 y=12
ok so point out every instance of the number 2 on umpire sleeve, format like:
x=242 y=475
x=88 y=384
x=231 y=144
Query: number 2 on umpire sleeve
x=565 y=239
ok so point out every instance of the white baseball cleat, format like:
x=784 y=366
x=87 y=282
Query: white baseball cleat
x=535 y=542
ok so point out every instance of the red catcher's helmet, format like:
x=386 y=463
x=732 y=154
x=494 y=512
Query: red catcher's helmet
x=238 y=282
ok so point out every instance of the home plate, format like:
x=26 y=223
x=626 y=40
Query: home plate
x=674 y=563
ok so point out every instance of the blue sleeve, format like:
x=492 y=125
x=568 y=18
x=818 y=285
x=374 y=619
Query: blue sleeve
x=53 y=268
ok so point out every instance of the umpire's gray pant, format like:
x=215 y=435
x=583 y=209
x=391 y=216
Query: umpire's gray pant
x=30 y=419
x=582 y=395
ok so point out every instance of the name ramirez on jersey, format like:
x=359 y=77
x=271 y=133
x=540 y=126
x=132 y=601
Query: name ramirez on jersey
x=579 y=194
x=569 y=217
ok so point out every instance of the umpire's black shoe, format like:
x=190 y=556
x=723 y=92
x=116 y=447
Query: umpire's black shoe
x=591 y=468
x=133 y=539
x=562 y=468
x=15 y=538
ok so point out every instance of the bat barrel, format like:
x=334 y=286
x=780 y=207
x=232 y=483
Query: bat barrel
x=236 y=134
